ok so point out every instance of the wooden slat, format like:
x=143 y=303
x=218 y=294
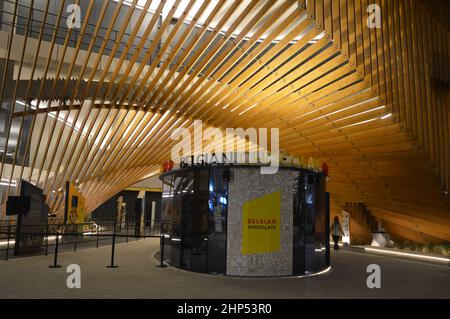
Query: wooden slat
x=372 y=103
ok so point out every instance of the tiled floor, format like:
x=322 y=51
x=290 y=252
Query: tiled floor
x=139 y=277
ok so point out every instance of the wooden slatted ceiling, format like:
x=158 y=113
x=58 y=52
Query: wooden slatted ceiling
x=399 y=70
x=319 y=74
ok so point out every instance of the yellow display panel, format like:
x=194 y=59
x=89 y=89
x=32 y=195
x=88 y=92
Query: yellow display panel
x=75 y=206
x=261 y=224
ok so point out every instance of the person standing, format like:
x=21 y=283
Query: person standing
x=336 y=232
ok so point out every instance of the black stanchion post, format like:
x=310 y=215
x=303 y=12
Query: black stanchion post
x=46 y=242
x=98 y=227
x=113 y=248
x=55 y=259
x=126 y=225
x=76 y=237
x=161 y=252
x=7 y=243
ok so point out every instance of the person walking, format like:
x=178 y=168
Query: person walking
x=336 y=232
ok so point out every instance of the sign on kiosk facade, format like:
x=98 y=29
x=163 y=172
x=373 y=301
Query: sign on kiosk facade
x=261 y=225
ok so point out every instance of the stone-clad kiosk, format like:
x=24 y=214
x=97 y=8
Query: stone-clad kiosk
x=235 y=221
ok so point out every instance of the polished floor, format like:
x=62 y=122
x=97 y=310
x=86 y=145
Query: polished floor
x=139 y=277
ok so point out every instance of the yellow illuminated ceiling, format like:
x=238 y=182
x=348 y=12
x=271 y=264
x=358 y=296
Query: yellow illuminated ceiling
x=97 y=104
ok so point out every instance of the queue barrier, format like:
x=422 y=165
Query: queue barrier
x=66 y=235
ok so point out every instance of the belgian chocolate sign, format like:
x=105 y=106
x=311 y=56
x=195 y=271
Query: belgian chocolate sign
x=204 y=160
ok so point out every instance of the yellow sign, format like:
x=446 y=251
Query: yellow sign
x=74 y=205
x=261 y=224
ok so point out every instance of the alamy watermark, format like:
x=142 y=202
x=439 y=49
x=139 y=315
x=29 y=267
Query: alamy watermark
x=374 y=19
x=236 y=146
x=74 y=279
x=73 y=21
x=374 y=279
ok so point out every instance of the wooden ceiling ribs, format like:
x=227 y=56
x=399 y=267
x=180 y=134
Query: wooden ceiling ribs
x=41 y=86
x=27 y=95
x=114 y=147
x=103 y=120
x=119 y=146
x=371 y=102
x=154 y=85
x=399 y=51
x=237 y=63
x=58 y=139
x=193 y=93
x=2 y=87
x=122 y=124
x=198 y=15
x=75 y=170
x=44 y=80
x=202 y=68
x=71 y=156
x=238 y=87
x=12 y=102
x=179 y=75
